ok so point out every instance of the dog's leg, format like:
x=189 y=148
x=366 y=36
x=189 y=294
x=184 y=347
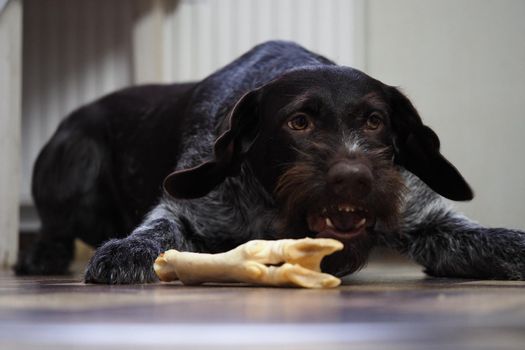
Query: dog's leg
x=65 y=174
x=448 y=244
x=130 y=259
x=72 y=197
x=50 y=254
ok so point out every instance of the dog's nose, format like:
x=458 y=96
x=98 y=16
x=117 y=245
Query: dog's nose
x=350 y=179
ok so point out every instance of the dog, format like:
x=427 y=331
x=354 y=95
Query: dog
x=281 y=143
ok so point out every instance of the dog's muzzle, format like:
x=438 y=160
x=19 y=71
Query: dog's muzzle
x=349 y=182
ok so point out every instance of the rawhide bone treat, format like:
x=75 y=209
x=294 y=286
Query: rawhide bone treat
x=285 y=262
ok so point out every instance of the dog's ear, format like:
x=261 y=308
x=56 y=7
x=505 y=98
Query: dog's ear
x=229 y=151
x=417 y=150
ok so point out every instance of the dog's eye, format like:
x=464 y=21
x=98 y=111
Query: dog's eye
x=299 y=122
x=374 y=121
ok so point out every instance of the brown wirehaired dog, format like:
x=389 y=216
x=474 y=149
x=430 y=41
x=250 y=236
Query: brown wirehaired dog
x=281 y=143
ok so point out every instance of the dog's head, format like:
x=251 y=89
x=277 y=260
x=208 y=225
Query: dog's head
x=327 y=143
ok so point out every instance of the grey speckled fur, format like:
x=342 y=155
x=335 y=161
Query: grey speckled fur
x=448 y=244
x=445 y=242
x=213 y=223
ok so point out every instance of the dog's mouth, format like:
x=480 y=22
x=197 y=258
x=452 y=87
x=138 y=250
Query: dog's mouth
x=341 y=221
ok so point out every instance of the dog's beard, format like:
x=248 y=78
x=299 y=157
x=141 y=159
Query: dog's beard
x=352 y=258
x=302 y=198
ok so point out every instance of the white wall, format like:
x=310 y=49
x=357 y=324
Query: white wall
x=10 y=100
x=463 y=65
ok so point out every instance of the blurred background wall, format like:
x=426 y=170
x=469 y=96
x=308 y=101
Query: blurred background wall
x=461 y=62
x=10 y=104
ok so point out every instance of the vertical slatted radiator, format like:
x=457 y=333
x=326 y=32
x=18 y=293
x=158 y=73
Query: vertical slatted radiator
x=73 y=51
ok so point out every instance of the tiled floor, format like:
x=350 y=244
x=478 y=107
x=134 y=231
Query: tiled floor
x=386 y=306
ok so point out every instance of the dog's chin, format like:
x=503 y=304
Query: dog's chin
x=351 y=226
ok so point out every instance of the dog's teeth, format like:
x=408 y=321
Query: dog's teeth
x=329 y=223
x=361 y=223
x=345 y=208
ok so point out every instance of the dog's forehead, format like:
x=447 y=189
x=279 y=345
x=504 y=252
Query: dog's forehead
x=336 y=84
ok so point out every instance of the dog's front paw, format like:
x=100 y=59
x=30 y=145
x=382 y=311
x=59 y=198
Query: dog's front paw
x=123 y=261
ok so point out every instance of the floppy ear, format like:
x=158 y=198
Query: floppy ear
x=417 y=150
x=229 y=150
